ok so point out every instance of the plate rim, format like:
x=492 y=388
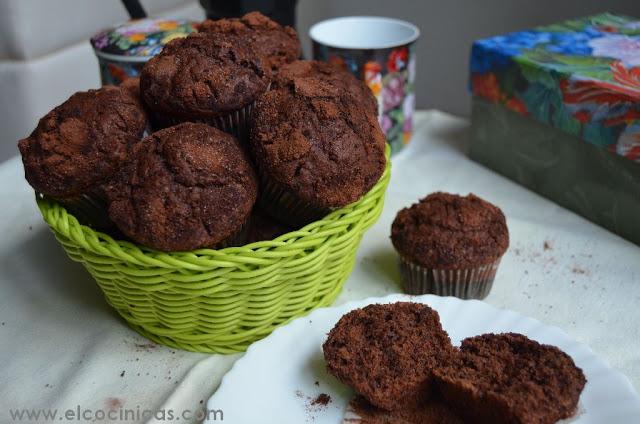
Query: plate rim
x=424 y=299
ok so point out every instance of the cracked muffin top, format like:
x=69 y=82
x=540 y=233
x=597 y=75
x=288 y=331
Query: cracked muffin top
x=316 y=133
x=81 y=143
x=447 y=231
x=202 y=76
x=276 y=44
x=189 y=186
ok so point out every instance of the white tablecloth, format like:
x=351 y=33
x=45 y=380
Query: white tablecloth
x=61 y=346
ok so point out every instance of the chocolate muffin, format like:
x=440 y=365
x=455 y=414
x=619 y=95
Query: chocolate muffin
x=387 y=353
x=187 y=187
x=78 y=147
x=316 y=141
x=203 y=78
x=133 y=86
x=450 y=245
x=508 y=378
x=267 y=39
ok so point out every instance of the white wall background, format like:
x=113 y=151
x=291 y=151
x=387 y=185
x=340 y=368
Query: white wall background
x=448 y=27
x=45 y=55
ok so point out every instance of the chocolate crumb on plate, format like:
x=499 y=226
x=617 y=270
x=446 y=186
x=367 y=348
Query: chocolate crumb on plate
x=322 y=399
x=359 y=411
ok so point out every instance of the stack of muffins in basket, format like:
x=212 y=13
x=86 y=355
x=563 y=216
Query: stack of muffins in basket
x=222 y=125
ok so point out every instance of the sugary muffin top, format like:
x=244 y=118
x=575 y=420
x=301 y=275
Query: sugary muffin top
x=189 y=186
x=316 y=133
x=82 y=142
x=202 y=76
x=447 y=231
x=278 y=45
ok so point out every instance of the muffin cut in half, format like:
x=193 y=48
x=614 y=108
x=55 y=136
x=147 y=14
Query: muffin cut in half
x=78 y=147
x=510 y=379
x=387 y=353
x=189 y=186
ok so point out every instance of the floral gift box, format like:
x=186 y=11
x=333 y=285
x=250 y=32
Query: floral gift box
x=557 y=109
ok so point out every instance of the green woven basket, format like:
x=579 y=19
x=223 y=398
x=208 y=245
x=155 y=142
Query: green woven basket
x=221 y=300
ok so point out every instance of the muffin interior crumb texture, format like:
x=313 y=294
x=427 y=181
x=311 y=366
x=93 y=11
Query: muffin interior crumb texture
x=508 y=378
x=387 y=352
x=447 y=231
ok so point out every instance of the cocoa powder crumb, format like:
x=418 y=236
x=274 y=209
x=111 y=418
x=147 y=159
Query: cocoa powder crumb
x=579 y=271
x=113 y=403
x=322 y=399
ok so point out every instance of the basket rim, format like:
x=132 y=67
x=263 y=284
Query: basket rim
x=79 y=233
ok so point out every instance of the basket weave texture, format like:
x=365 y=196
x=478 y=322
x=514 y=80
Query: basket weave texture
x=221 y=301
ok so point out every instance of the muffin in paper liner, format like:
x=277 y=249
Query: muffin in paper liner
x=235 y=123
x=285 y=206
x=465 y=283
x=89 y=209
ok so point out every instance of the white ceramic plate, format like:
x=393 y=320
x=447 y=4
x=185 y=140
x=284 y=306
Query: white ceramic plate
x=279 y=377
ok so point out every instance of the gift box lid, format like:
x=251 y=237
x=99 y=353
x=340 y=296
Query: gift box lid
x=140 y=39
x=581 y=76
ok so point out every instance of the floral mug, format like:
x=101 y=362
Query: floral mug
x=123 y=50
x=380 y=51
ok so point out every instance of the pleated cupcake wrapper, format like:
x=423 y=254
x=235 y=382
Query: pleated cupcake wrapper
x=467 y=283
x=89 y=209
x=236 y=123
x=285 y=206
x=238 y=239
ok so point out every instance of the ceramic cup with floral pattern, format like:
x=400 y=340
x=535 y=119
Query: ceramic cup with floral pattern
x=380 y=51
x=123 y=50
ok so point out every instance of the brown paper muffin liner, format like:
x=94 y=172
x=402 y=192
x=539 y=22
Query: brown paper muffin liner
x=286 y=207
x=467 y=283
x=235 y=123
x=89 y=209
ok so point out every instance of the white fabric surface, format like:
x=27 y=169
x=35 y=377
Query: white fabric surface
x=61 y=345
